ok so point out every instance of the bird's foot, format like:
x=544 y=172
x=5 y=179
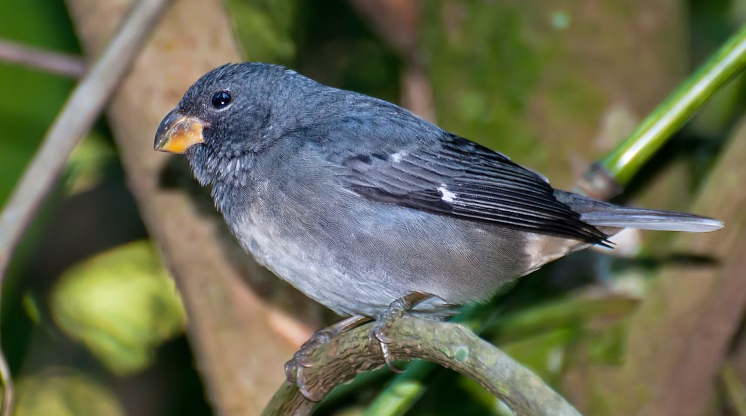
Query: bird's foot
x=301 y=360
x=378 y=335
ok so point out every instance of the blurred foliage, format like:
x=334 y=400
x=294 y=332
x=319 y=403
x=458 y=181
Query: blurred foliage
x=535 y=80
x=65 y=392
x=86 y=168
x=552 y=85
x=121 y=304
x=483 y=72
x=336 y=47
x=264 y=28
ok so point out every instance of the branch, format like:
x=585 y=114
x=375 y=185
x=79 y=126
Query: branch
x=55 y=62
x=450 y=345
x=76 y=118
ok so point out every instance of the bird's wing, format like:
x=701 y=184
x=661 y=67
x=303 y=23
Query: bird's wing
x=462 y=179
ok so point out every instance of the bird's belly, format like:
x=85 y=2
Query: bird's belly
x=317 y=268
x=360 y=262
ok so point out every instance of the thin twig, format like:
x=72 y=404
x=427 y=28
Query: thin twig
x=55 y=62
x=447 y=344
x=77 y=116
x=735 y=391
x=7 y=381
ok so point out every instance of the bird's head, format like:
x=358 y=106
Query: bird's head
x=230 y=112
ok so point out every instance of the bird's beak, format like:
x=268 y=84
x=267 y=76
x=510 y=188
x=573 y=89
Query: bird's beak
x=178 y=132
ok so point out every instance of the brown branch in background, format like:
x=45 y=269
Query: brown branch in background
x=232 y=331
x=396 y=21
x=75 y=119
x=398 y=24
x=417 y=93
x=54 y=62
x=450 y=345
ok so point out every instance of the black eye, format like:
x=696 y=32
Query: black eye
x=221 y=99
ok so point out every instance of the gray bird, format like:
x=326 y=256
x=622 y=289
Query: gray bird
x=371 y=210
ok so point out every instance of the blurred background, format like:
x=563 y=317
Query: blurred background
x=93 y=324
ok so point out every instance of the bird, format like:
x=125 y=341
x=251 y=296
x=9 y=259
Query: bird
x=371 y=210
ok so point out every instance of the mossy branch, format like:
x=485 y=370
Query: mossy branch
x=450 y=345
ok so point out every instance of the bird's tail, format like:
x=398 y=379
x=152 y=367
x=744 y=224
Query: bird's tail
x=603 y=215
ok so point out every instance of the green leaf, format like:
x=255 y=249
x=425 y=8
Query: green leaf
x=121 y=305
x=63 y=392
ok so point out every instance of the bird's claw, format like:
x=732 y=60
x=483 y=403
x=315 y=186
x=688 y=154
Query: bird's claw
x=295 y=375
x=303 y=388
x=291 y=371
x=378 y=335
x=295 y=368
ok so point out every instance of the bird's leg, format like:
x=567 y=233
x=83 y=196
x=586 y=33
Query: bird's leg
x=396 y=310
x=302 y=359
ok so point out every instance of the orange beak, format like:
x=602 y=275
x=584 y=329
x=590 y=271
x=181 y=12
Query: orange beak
x=178 y=132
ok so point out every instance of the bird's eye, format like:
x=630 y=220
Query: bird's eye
x=221 y=99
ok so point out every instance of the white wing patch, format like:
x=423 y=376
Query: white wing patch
x=445 y=194
x=398 y=156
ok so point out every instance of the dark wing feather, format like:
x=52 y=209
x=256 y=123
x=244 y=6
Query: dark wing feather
x=462 y=179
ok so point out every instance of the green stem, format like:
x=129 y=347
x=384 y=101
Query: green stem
x=403 y=392
x=627 y=159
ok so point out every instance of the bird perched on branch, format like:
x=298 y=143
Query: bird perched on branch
x=371 y=210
